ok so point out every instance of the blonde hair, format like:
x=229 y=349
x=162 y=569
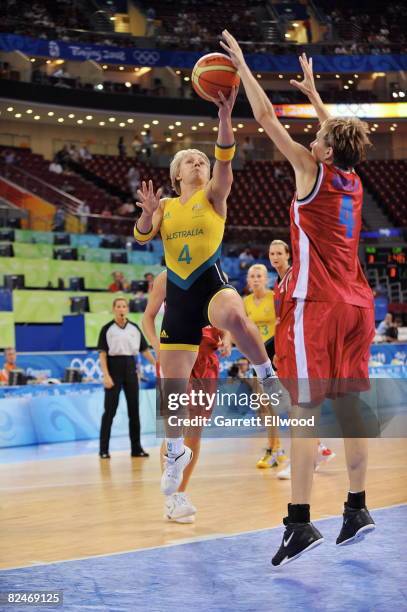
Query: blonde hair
x=348 y=138
x=176 y=164
x=260 y=268
x=281 y=243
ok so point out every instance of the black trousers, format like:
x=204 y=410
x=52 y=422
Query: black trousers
x=124 y=375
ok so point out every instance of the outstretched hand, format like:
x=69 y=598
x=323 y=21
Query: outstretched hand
x=232 y=48
x=307 y=85
x=226 y=105
x=148 y=200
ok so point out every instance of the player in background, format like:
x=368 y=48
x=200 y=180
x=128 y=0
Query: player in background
x=192 y=227
x=328 y=319
x=279 y=255
x=178 y=508
x=259 y=307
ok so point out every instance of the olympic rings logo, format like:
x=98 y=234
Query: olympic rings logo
x=89 y=366
x=146 y=58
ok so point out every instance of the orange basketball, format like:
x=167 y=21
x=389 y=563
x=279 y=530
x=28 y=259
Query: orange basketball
x=212 y=73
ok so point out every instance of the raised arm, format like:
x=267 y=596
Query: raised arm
x=149 y=222
x=299 y=157
x=220 y=184
x=308 y=88
x=155 y=300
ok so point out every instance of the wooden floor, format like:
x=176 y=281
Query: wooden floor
x=79 y=506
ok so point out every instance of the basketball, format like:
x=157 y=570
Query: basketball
x=212 y=73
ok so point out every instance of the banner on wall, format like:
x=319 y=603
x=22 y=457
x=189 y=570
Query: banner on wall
x=52 y=365
x=264 y=62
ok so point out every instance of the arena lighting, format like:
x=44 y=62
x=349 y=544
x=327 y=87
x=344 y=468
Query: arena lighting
x=32 y=59
x=215 y=128
x=392 y=129
x=147 y=125
x=299 y=76
x=258 y=76
x=60 y=62
x=48 y=62
x=10 y=109
x=122 y=124
x=37 y=117
x=306 y=130
x=295 y=25
x=318 y=76
x=143 y=70
x=375 y=111
x=376 y=125
x=402 y=94
x=71 y=116
x=101 y=123
x=280 y=76
x=180 y=134
x=99 y=86
x=128 y=84
x=155 y=146
x=80 y=121
x=337 y=76
x=356 y=76
x=178 y=72
x=287 y=35
x=395 y=94
x=309 y=126
x=168 y=139
x=171 y=127
x=194 y=128
x=240 y=125
x=121 y=67
x=287 y=127
x=51 y=114
x=130 y=120
x=143 y=133
x=378 y=74
x=260 y=129
x=394 y=124
x=155 y=122
x=186 y=78
x=104 y=67
x=346 y=86
x=234 y=129
x=17 y=115
x=201 y=124
x=89 y=117
x=29 y=111
x=112 y=119
x=61 y=119
x=350 y=82
x=178 y=123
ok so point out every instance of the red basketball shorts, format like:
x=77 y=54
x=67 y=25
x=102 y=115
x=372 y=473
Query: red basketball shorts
x=323 y=349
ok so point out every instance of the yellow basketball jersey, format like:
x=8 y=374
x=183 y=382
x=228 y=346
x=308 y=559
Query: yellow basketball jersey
x=262 y=314
x=192 y=237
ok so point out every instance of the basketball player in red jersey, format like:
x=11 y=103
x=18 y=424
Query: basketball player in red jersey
x=328 y=318
x=177 y=507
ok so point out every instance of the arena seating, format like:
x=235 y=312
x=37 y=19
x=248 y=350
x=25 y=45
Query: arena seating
x=387 y=182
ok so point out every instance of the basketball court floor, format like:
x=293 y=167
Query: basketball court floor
x=95 y=531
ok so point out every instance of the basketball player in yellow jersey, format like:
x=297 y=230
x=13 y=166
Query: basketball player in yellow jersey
x=259 y=307
x=191 y=227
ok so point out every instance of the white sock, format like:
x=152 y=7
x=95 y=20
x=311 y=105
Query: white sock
x=264 y=370
x=175 y=446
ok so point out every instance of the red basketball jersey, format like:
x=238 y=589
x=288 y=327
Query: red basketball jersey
x=325 y=229
x=280 y=291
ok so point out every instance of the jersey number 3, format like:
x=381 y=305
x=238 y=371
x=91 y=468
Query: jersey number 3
x=346 y=215
x=184 y=255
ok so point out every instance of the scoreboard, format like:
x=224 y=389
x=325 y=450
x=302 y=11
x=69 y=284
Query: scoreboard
x=391 y=261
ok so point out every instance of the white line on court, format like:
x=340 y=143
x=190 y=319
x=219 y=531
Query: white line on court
x=215 y=536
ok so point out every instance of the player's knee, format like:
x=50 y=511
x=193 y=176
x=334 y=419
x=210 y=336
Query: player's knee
x=357 y=461
x=237 y=323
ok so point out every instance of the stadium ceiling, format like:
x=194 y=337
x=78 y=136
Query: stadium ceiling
x=162 y=126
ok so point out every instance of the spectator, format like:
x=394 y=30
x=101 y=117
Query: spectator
x=84 y=154
x=245 y=259
x=106 y=212
x=55 y=167
x=385 y=324
x=133 y=180
x=10 y=358
x=83 y=211
x=74 y=153
x=247 y=149
x=147 y=143
x=149 y=278
x=59 y=220
x=63 y=157
x=121 y=147
x=119 y=283
x=136 y=146
x=150 y=19
x=9 y=157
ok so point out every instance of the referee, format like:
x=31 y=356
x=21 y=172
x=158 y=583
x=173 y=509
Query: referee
x=119 y=341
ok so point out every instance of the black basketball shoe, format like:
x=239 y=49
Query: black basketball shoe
x=297 y=539
x=356 y=525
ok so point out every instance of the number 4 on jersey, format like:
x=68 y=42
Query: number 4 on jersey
x=346 y=215
x=184 y=255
